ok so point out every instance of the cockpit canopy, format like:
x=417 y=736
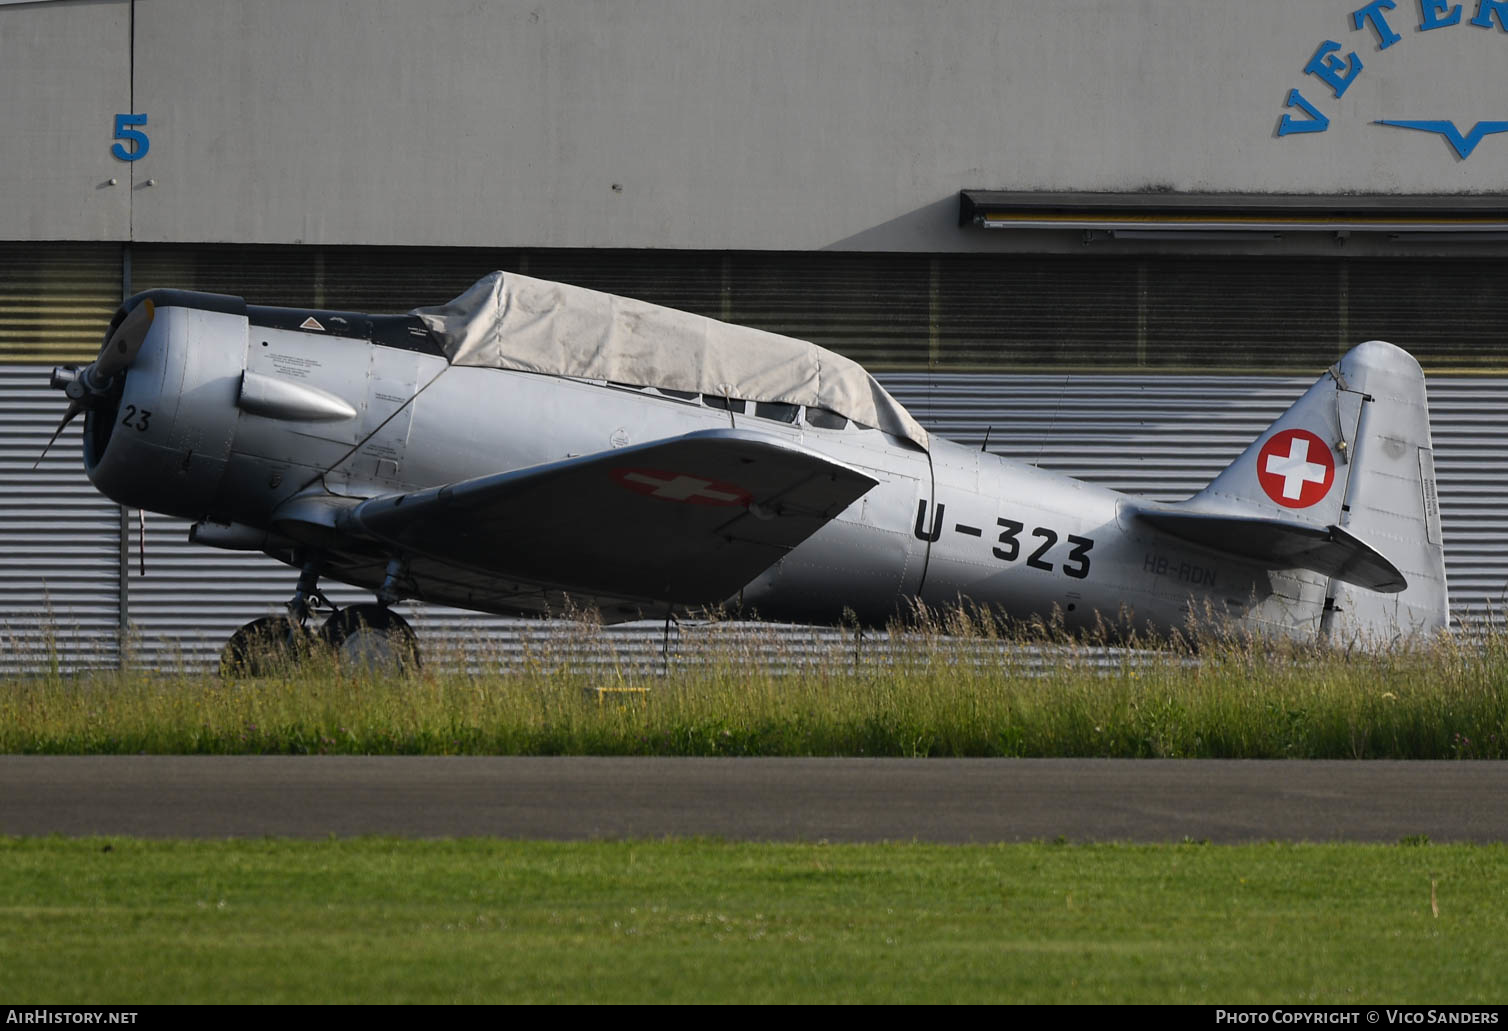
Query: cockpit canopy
x=508 y=321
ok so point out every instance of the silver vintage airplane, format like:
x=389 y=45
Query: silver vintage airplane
x=532 y=445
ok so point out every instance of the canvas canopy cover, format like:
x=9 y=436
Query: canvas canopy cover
x=508 y=321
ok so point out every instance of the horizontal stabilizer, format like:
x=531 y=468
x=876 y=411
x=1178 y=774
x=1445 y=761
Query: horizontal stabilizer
x=1284 y=544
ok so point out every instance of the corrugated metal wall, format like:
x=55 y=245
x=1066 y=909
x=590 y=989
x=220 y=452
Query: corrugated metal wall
x=1163 y=436
x=874 y=308
x=960 y=312
x=59 y=537
x=56 y=299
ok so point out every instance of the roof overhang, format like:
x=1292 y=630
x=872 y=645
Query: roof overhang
x=1194 y=215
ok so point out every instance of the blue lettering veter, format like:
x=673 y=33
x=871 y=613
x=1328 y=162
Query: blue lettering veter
x=1316 y=122
x=1372 y=13
x=1326 y=67
x=1486 y=9
x=1430 y=11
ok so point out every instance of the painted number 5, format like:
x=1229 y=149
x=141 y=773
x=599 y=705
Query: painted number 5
x=138 y=139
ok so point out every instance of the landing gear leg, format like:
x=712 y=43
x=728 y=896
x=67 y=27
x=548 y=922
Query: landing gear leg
x=375 y=636
x=307 y=594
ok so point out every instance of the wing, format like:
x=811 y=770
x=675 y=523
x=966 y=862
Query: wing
x=1279 y=543
x=688 y=520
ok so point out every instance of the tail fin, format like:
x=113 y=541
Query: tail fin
x=1349 y=469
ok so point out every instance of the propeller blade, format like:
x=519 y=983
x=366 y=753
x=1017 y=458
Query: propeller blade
x=74 y=408
x=123 y=344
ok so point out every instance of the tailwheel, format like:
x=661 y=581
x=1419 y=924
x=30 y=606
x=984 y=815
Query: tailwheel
x=373 y=636
x=265 y=646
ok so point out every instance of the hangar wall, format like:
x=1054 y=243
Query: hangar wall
x=65 y=72
x=1176 y=312
x=712 y=124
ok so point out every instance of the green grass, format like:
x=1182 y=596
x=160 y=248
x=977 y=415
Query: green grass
x=380 y=920
x=920 y=694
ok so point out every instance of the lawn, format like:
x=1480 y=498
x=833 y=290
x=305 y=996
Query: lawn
x=117 y=920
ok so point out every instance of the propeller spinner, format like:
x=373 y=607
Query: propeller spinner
x=88 y=386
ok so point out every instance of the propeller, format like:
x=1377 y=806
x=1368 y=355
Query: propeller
x=87 y=386
x=123 y=345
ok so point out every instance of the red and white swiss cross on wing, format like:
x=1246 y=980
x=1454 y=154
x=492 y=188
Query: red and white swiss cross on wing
x=693 y=490
x=1296 y=468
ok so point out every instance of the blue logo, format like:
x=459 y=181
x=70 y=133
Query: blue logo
x=1463 y=145
x=1337 y=72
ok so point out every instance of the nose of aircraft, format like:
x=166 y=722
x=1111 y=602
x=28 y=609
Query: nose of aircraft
x=89 y=386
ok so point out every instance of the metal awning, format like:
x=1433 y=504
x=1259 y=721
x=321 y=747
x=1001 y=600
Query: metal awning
x=1197 y=214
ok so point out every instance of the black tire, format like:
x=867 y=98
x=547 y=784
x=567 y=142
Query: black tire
x=265 y=646
x=372 y=636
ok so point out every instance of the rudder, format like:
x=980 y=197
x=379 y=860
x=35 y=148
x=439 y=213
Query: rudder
x=1391 y=499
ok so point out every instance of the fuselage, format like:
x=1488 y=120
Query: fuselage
x=229 y=414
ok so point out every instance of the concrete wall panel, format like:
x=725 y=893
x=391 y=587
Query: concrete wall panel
x=65 y=72
x=765 y=124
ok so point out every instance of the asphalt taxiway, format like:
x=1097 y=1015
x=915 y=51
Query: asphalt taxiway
x=943 y=800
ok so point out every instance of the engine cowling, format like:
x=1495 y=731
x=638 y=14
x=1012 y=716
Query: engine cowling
x=161 y=435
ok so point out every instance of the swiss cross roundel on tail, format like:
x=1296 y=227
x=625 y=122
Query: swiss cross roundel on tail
x=1296 y=468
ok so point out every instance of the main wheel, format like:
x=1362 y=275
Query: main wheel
x=264 y=646
x=372 y=636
